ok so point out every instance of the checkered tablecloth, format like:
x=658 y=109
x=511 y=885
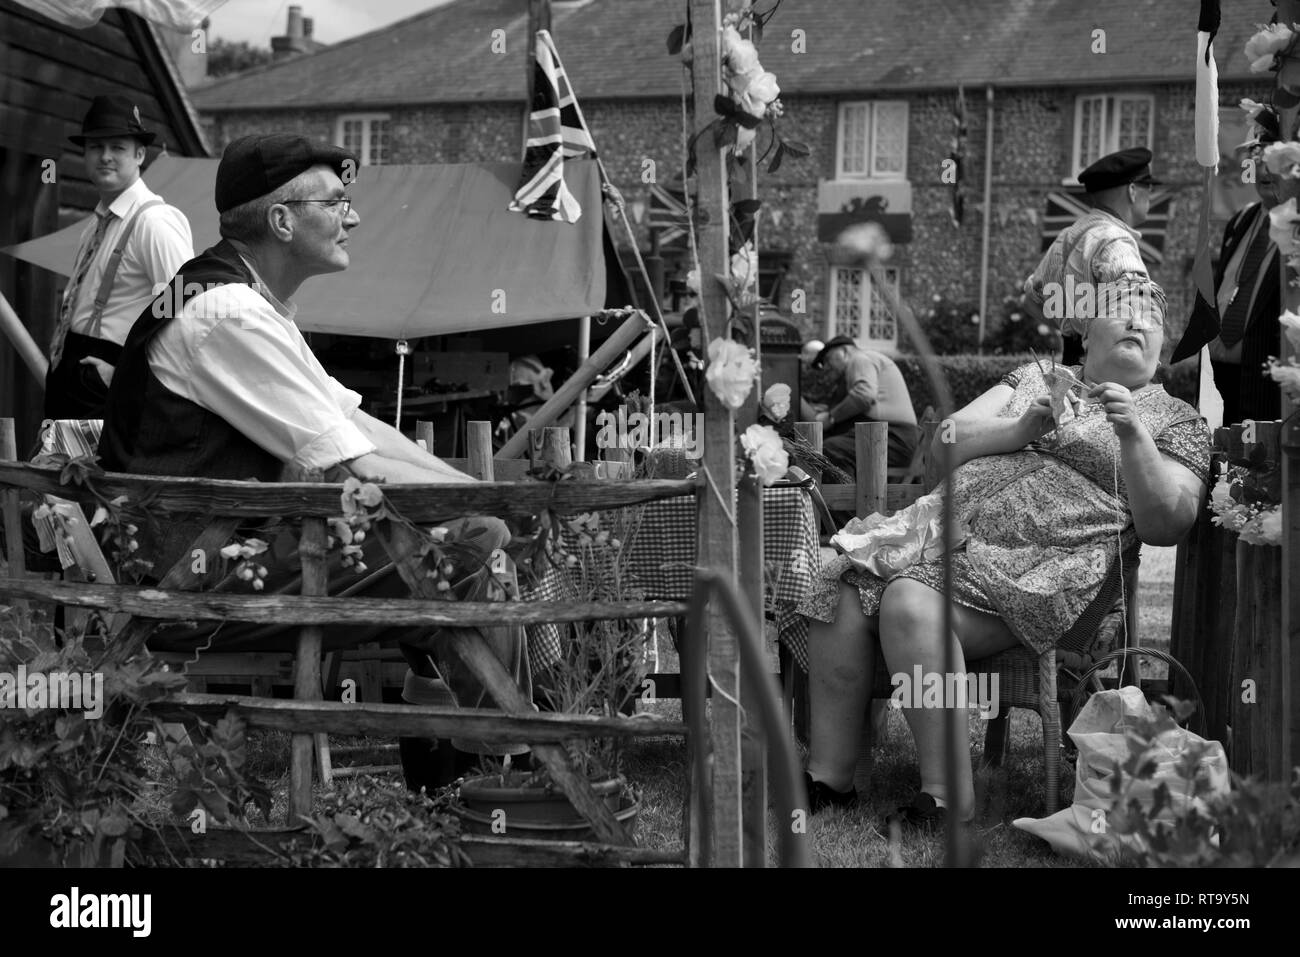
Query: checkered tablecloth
x=661 y=549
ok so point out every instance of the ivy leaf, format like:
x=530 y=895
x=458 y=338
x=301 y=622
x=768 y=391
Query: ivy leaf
x=795 y=148
x=723 y=106
x=775 y=165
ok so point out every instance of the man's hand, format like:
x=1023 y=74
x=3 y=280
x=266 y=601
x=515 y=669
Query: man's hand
x=1121 y=410
x=105 y=370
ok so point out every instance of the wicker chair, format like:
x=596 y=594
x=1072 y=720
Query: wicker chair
x=1027 y=680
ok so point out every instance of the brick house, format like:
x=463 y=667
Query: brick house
x=870 y=86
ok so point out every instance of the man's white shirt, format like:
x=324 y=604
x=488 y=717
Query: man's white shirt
x=159 y=245
x=236 y=351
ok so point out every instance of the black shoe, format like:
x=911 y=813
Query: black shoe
x=923 y=813
x=821 y=796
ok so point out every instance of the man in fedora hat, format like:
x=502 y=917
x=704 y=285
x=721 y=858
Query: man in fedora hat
x=134 y=245
x=870 y=389
x=1095 y=259
x=1247 y=292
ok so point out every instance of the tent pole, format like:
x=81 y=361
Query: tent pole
x=580 y=416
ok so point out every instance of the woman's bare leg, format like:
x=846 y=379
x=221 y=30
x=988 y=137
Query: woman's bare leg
x=840 y=660
x=911 y=634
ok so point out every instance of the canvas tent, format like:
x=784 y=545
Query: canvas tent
x=437 y=250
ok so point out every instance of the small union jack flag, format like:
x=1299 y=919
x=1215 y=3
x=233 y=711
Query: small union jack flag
x=556 y=132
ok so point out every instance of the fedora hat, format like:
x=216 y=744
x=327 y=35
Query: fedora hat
x=112 y=116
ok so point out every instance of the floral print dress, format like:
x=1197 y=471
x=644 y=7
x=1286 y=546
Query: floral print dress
x=1045 y=523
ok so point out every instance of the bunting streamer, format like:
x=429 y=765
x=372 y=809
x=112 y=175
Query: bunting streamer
x=172 y=14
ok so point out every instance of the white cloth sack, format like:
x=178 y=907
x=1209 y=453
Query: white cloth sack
x=1082 y=830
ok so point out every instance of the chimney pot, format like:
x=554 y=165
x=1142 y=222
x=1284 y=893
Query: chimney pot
x=307 y=26
x=294 y=30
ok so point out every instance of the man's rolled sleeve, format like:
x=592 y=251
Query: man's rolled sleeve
x=337 y=444
x=236 y=357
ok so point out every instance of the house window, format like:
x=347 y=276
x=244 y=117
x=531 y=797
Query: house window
x=872 y=140
x=1106 y=123
x=858 y=310
x=364 y=135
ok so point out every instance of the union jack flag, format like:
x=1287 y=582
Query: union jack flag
x=556 y=132
x=669 y=214
x=1064 y=207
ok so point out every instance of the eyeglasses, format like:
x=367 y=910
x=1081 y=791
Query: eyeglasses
x=343 y=205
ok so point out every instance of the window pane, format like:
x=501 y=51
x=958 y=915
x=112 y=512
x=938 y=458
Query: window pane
x=1134 y=122
x=889 y=139
x=882 y=327
x=853 y=139
x=848 y=302
x=352 y=131
x=378 y=142
x=1091 y=130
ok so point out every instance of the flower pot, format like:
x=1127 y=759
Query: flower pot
x=489 y=806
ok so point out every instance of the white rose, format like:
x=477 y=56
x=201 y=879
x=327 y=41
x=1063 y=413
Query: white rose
x=1282 y=220
x=1251 y=107
x=1291 y=326
x=693 y=281
x=1270 y=527
x=762 y=88
x=731 y=372
x=777 y=400
x=766 y=453
x=1283 y=158
x=738 y=53
x=744 y=266
x=1263 y=45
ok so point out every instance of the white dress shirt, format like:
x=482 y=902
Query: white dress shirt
x=159 y=245
x=236 y=351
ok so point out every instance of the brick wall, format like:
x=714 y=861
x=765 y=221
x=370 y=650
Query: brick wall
x=1033 y=139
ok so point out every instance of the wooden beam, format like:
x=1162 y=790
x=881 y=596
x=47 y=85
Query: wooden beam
x=633 y=328
x=167 y=605
x=289 y=500
x=718 y=549
x=409 y=720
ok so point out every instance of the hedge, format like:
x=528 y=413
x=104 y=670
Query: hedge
x=971 y=376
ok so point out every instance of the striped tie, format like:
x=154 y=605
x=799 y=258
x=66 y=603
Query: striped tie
x=74 y=287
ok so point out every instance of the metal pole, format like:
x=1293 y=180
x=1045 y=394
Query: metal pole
x=988 y=212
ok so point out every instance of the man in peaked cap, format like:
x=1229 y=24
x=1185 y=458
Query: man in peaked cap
x=1247 y=292
x=135 y=244
x=1099 y=252
x=217 y=381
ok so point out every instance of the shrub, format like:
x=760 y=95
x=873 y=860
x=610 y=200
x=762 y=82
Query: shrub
x=968 y=377
x=953 y=329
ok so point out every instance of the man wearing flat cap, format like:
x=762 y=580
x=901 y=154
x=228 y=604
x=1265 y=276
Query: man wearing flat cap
x=217 y=381
x=1096 y=263
x=870 y=388
x=1248 y=293
x=134 y=245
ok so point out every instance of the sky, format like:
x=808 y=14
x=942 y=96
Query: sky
x=256 y=21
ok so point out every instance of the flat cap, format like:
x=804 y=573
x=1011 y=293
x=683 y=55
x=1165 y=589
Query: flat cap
x=258 y=164
x=1132 y=165
x=826 y=349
